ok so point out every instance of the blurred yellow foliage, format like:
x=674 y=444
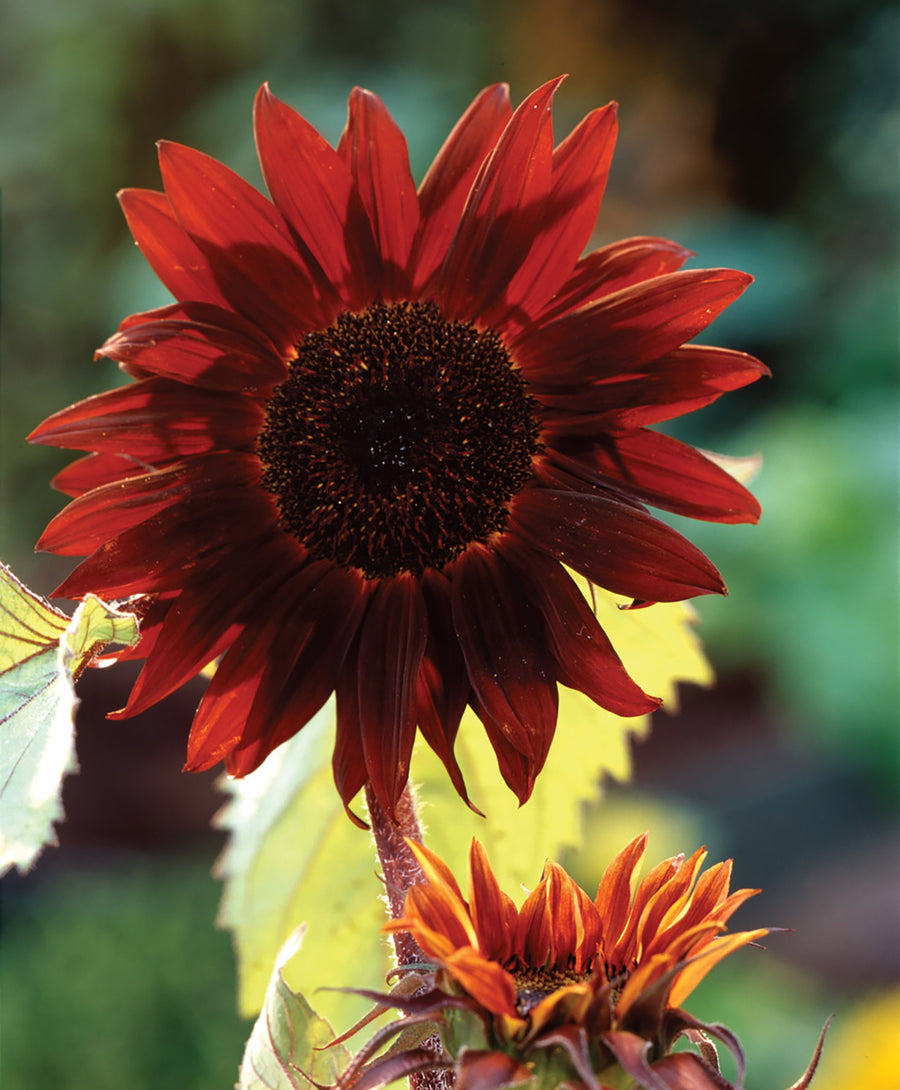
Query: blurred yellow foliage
x=862 y=1049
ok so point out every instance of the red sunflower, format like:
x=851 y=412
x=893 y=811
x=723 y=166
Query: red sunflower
x=378 y=421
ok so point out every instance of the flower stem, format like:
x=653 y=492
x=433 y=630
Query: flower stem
x=401 y=870
x=398 y=864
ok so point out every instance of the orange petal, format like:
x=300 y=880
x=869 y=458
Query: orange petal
x=613 y=898
x=692 y=974
x=493 y=913
x=484 y=980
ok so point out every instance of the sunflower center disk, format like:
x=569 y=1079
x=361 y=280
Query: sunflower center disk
x=533 y=985
x=397 y=439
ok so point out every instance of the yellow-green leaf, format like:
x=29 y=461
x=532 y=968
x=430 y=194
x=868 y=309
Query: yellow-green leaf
x=42 y=652
x=287 y=1041
x=294 y=856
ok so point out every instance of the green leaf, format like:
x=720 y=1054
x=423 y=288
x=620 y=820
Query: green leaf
x=42 y=652
x=287 y=1041
x=293 y=854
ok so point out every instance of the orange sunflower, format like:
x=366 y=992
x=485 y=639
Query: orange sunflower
x=602 y=979
x=378 y=421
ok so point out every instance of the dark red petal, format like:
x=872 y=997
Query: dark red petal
x=200 y=625
x=391 y=645
x=443 y=192
x=585 y=658
x=195 y=353
x=498 y=225
x=94 y=518
x=681 y=381
x=156 y=420
x=614 y=545
x=162 y=552
x=246 y=242
x=399 y=1065
x=562 y=472
x=580 y=170
x=686 y=1071
x=220 y=718
x=443 y=685
x=374 y=148
x=304 y=664
x=518 y=771
x=313 y=189
x=203 y=314
x=483 y=1070
x=95 y=470
x=347 y=762
x=169 y=250
x=503 y=640
x=632 y=1052
x=666 y=473
x=614 y=267
x=627 y=328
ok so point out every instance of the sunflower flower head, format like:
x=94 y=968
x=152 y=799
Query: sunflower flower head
x=380 y=424
x=570 y=989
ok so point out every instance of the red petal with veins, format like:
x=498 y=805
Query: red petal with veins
x=156 y=420
x=347 y=762
x=197 y=354
x=374 y=148
x=94 y=518
x=220 y=718
x=246 y=242
x=585 y=659
x=501 y=214
x=502 y=639
x=614 y=545
x=493 y=912
x=613 y=900
x=669 y=474
x=443 y=685
x=304 y=664
x=392 y=642
x=443 y=192
x=163 y=552
x=680 y=382
x=627 y=328
x=314 y=190
x=201 y=623
x=613 y=267
x=94 y=470
x=170 y=251
x=579 y=173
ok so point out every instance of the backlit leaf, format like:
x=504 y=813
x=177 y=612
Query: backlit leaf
x=287 y=1041
x=42 y=652
x=294 y=856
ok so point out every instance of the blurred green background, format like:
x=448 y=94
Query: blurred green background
x=762 y=135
